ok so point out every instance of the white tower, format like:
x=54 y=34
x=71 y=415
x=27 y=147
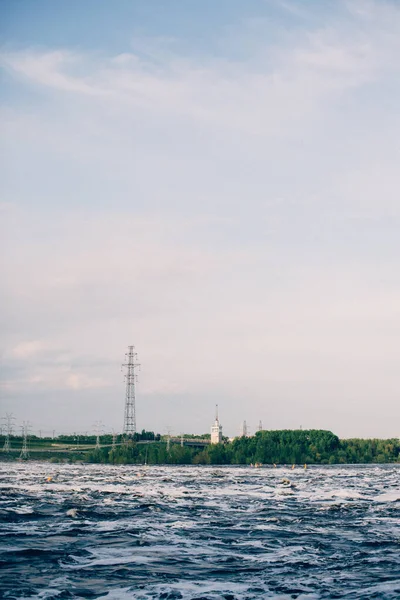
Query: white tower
x=216 y=429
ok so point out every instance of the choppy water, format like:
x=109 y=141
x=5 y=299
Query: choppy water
x=199 y=532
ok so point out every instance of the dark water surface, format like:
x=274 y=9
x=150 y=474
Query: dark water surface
x=199 y=532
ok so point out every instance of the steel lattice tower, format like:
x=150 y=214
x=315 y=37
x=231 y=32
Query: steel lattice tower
x=98 y=427
x=9 y=431
x=130 y=377
x=24 y=451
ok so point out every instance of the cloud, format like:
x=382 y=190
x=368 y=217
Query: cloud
x=247 y=96
x=48 y=69
x=234 y=216
x=77 y=381
x=28 y=349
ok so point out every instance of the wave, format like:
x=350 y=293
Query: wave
x=199 y=532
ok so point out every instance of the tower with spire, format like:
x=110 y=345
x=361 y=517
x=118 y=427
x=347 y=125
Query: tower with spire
x=216 y=429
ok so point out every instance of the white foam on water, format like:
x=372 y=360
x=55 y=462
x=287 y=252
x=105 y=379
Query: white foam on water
x=49 y=593
x=21 y=510
x=175 y=513
x=183 y=525
x=391 y=496
x=211 y=590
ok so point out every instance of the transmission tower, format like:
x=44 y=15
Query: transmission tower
x=25 y=432
x=260 y=425
x=9 y=418
x=130 y=377
x=244 y=429
x=98 y=427
x=6 y=447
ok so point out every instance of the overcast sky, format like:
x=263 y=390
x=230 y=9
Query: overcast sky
x=217 y=183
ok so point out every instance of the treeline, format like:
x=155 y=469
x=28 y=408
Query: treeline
x=80 y=439
x=152 y=454
x=265 y=447
x=106 y=438
x=312 y=446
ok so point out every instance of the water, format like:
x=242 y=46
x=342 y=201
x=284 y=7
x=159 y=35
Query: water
x=122 y=532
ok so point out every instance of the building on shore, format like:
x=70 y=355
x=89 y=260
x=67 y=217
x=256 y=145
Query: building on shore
x=216 y=429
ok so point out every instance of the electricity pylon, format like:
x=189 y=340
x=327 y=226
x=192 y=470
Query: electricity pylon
x=130 y=400
x=25 y=432
x=9 y=418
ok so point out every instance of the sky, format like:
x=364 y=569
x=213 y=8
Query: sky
x=216 y=183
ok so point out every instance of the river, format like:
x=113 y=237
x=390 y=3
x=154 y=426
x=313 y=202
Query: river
x=188 y=532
